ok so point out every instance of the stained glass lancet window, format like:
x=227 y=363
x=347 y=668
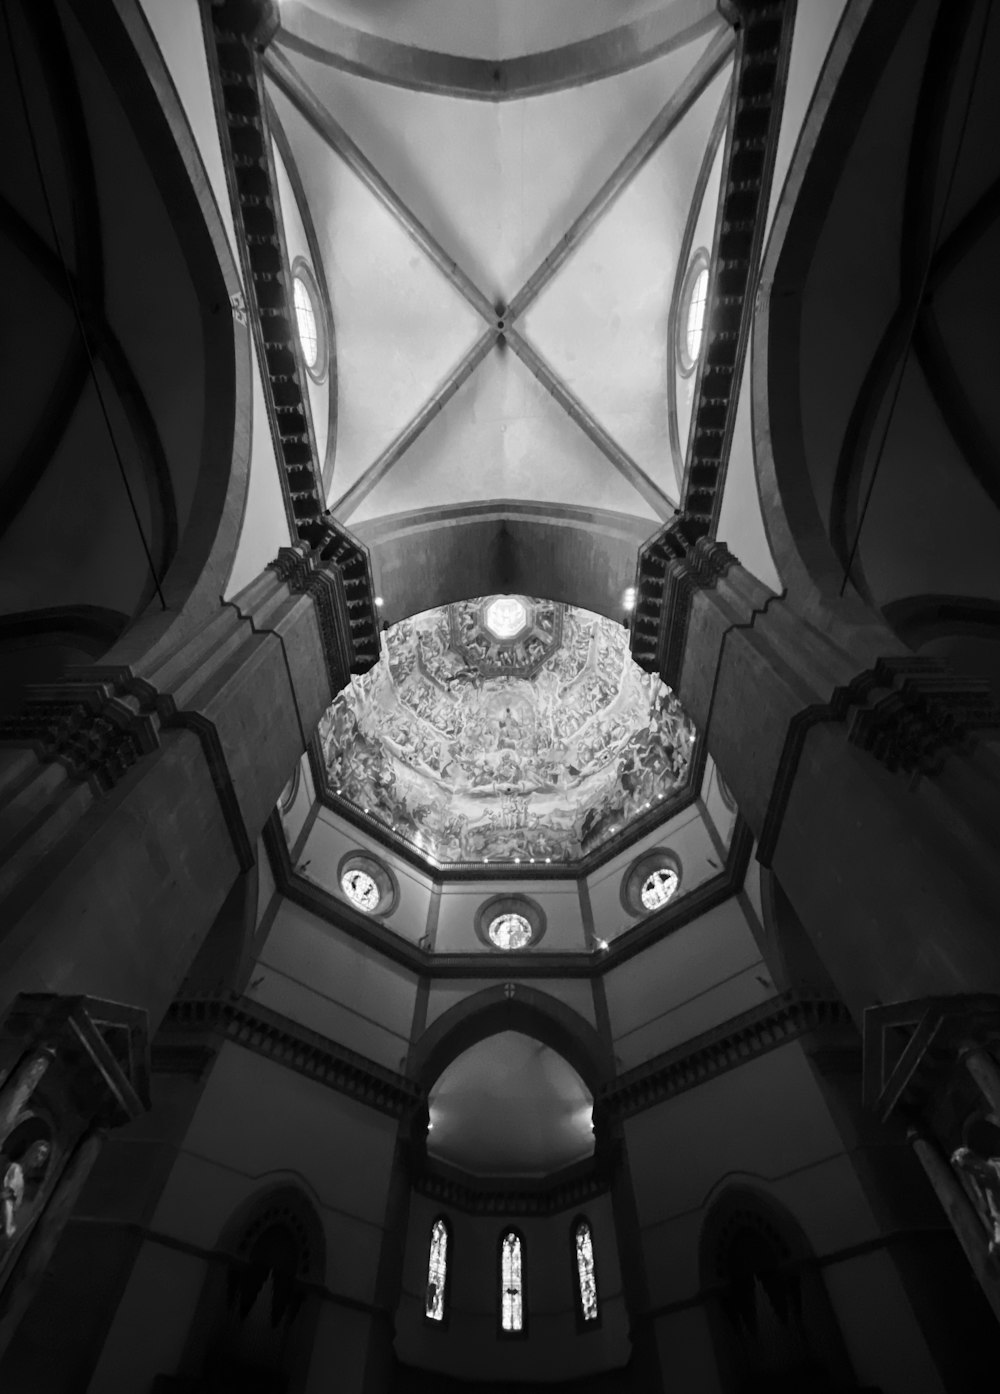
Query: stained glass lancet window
x=583 y=1246
x=511 y=1283
x=437 y=1271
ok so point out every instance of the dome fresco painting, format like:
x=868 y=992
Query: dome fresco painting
x=479 y=748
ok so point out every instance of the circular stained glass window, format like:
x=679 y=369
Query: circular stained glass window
x=305 y=319
x=510 y=932
x=362 y=889
x=506 y=616
x=658 y=887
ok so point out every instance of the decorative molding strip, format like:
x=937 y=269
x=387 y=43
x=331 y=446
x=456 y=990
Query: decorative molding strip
x=763 y=53
x=191 y=1022
x=240 y=29
x=672 y=565
x=495 y=1196
x=324 y=39
x=906 y=712
x=774 y=1023
x=663 y=594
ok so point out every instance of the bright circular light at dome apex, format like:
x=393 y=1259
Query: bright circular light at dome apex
x=510 y=932
x=696 y=308
x=658 y=887
x=305 y=319
x=506 y=616
x=362 y=889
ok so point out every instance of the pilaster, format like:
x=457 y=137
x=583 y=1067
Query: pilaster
x=869 y=776
x=135 y=796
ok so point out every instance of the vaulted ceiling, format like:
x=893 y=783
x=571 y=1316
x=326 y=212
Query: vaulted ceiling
x=502 y=231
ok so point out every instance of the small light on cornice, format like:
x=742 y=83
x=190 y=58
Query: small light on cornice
x=548 y=859
x=601 y=944
x=518 y=860
x=379 y=601
x=628 y=599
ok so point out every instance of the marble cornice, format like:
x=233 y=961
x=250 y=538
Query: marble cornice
x=670 y=567
x=764 y=1028
x=195 y=1026
x=240 y=29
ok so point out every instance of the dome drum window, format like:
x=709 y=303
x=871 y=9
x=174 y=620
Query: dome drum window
x=692 y=313
x=651 y=882
x=310 y=320
x=368 y=884
x=507 y=923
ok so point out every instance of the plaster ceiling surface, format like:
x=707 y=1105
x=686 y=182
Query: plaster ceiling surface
x=560 y=215
x=510 y=1106
x=489 y=28
x=476 y=745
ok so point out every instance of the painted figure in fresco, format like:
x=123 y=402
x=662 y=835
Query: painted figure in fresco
x=437 y=738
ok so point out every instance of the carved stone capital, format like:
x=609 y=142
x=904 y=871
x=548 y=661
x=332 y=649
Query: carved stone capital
x=673 y=565
x=908 y=712
x=337 y=574
x=95 y=729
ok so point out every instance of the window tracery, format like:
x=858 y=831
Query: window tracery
x=511 y=1283
x=358 y=886
x=510 y=932
x=658 y=887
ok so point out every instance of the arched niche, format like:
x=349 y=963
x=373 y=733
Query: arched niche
x=255 y=1322
x=773 y=1326
x=127 y=455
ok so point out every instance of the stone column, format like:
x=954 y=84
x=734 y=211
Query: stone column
x=135 y=796
x=870 y=777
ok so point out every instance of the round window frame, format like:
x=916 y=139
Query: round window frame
x=700 y=261
x=521 y=905
x=318 y=372
x=660 y=859
x=382 y=876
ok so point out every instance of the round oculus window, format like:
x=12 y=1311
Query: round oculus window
x=658 y=887
x=651 y=882
x=693 y=313
x=506 y=616
x=362 y=889
x=305 y=319
x=510 y=931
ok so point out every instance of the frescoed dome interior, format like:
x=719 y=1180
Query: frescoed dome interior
x=506 y=729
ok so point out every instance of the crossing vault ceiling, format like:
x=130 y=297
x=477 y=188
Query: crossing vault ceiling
x=504 y=200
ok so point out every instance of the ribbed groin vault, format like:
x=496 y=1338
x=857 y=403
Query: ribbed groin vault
x=499 y=697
